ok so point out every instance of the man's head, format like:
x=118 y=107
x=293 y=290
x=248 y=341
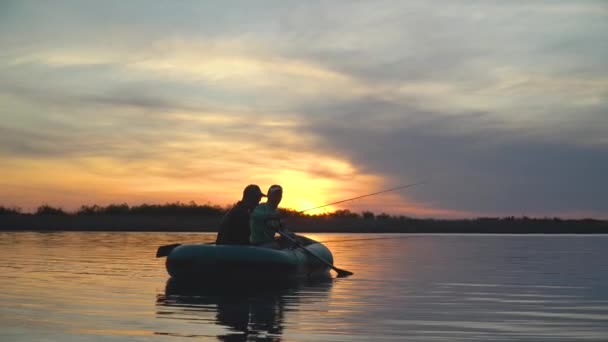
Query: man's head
x=275 y=194
x=252 y=195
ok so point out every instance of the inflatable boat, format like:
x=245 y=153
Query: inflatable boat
x=240 y=262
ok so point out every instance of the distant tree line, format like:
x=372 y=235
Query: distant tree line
x=179 y=208
x=9 y=211
x=192 y=208
x=169 y=209
x=338 y=221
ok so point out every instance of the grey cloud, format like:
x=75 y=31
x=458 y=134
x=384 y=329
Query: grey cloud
x=86 y=85
x=490 y=170
x=65 y=142
x=134 y=23
x=451 y=41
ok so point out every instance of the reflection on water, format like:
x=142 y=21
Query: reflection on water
x=74 y=286
x=255 y=311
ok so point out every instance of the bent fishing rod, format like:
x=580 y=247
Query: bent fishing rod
x=358 y=197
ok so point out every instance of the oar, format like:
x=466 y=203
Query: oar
x=165 y=250
x=341 y=272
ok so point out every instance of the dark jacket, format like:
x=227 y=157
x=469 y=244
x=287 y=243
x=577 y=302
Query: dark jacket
x=234 y=227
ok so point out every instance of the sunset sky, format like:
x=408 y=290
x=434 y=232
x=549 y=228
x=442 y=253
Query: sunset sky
x=501 y=106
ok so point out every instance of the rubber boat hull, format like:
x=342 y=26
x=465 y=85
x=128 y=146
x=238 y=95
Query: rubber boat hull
x=225 y=262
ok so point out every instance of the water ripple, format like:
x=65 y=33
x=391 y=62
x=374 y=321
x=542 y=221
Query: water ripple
x=109 y=286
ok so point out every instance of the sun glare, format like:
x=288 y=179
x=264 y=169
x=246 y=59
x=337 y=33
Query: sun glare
x=303 y=191
x=301 y=197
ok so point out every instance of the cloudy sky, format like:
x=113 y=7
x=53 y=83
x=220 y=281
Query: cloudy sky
x=500 y=106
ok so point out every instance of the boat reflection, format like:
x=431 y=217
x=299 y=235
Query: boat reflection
x=254 y=311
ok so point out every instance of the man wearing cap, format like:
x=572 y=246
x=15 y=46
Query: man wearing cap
x=234 y=227
x=265 y=219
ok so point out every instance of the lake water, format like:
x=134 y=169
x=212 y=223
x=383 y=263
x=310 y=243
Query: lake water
x=96 y=286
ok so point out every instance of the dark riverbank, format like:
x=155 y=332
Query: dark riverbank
x=311 y=224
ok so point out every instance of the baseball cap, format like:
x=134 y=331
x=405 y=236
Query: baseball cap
x=252 y=190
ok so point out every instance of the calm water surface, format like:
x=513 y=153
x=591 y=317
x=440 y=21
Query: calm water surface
x=109 y=287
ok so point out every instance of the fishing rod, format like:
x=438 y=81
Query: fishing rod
x=367 y=239
x=358 y=197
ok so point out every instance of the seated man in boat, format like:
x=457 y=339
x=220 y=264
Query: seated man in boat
x=234 y=227
x=265 y=220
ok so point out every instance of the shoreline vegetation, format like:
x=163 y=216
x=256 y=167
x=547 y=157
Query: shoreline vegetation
x=192 y=217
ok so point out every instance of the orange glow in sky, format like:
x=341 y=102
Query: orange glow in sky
x=86 y=181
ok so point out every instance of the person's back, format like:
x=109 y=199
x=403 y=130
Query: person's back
x=234 y=227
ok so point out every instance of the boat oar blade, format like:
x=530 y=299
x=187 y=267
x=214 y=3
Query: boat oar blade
x=165 y=250
x=342 y=273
